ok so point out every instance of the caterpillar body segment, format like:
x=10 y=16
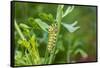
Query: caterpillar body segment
x=52 y=31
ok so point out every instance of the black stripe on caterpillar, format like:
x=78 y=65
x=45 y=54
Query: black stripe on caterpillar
x=52 y=31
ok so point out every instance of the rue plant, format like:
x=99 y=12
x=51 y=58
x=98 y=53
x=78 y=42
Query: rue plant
x=29 y=54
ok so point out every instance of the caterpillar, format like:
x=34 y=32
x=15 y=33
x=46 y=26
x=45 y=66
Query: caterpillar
x=52 y=33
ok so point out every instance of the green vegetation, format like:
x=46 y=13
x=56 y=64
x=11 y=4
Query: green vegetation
x=54 y=34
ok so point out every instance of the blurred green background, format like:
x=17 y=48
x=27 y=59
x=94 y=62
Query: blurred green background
x=84 y=37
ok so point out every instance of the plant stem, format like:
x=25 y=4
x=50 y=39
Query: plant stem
x=58 y=20
x=30 y=49
x=68 y=54
x=46 y=56
x=19 y=31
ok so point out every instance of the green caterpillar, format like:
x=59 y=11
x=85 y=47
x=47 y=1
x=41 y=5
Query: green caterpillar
x=52 y=31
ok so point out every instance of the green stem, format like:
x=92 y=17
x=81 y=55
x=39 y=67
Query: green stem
x=19 y=31
x=46 y=56
x=68 y=54
x=33 y=52
x=58 y=20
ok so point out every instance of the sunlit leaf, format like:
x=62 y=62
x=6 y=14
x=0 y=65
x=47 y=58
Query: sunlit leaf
x=71 y=27
x=68 y=10
x=24 y=26
x=42 y=24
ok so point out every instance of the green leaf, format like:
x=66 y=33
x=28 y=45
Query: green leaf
x=71 y=27
x=59 y=13
x=24 y=43
x=18 y=54
x=24 y=26
x=68 y=10
x=33 y=24
x=49 y=17
x=42 y=24
x=34 y=50
x=82 y=52
x=19 y=58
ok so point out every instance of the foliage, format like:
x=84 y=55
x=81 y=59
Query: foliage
x=44 y=34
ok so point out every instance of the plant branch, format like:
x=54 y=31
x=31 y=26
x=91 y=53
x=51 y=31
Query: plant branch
x=58 y=20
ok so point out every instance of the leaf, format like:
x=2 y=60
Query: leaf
x=71 y=27
x=42 y=24
x=24 y=26
x=33 y=24
x=82 y=52
x=25 y=29
x=19 y=58
x=34 y=50
x=68 y=10
x=24 y=43
x=49 y=17
x=59 y=13
x=38 y=24
x=18 y=54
